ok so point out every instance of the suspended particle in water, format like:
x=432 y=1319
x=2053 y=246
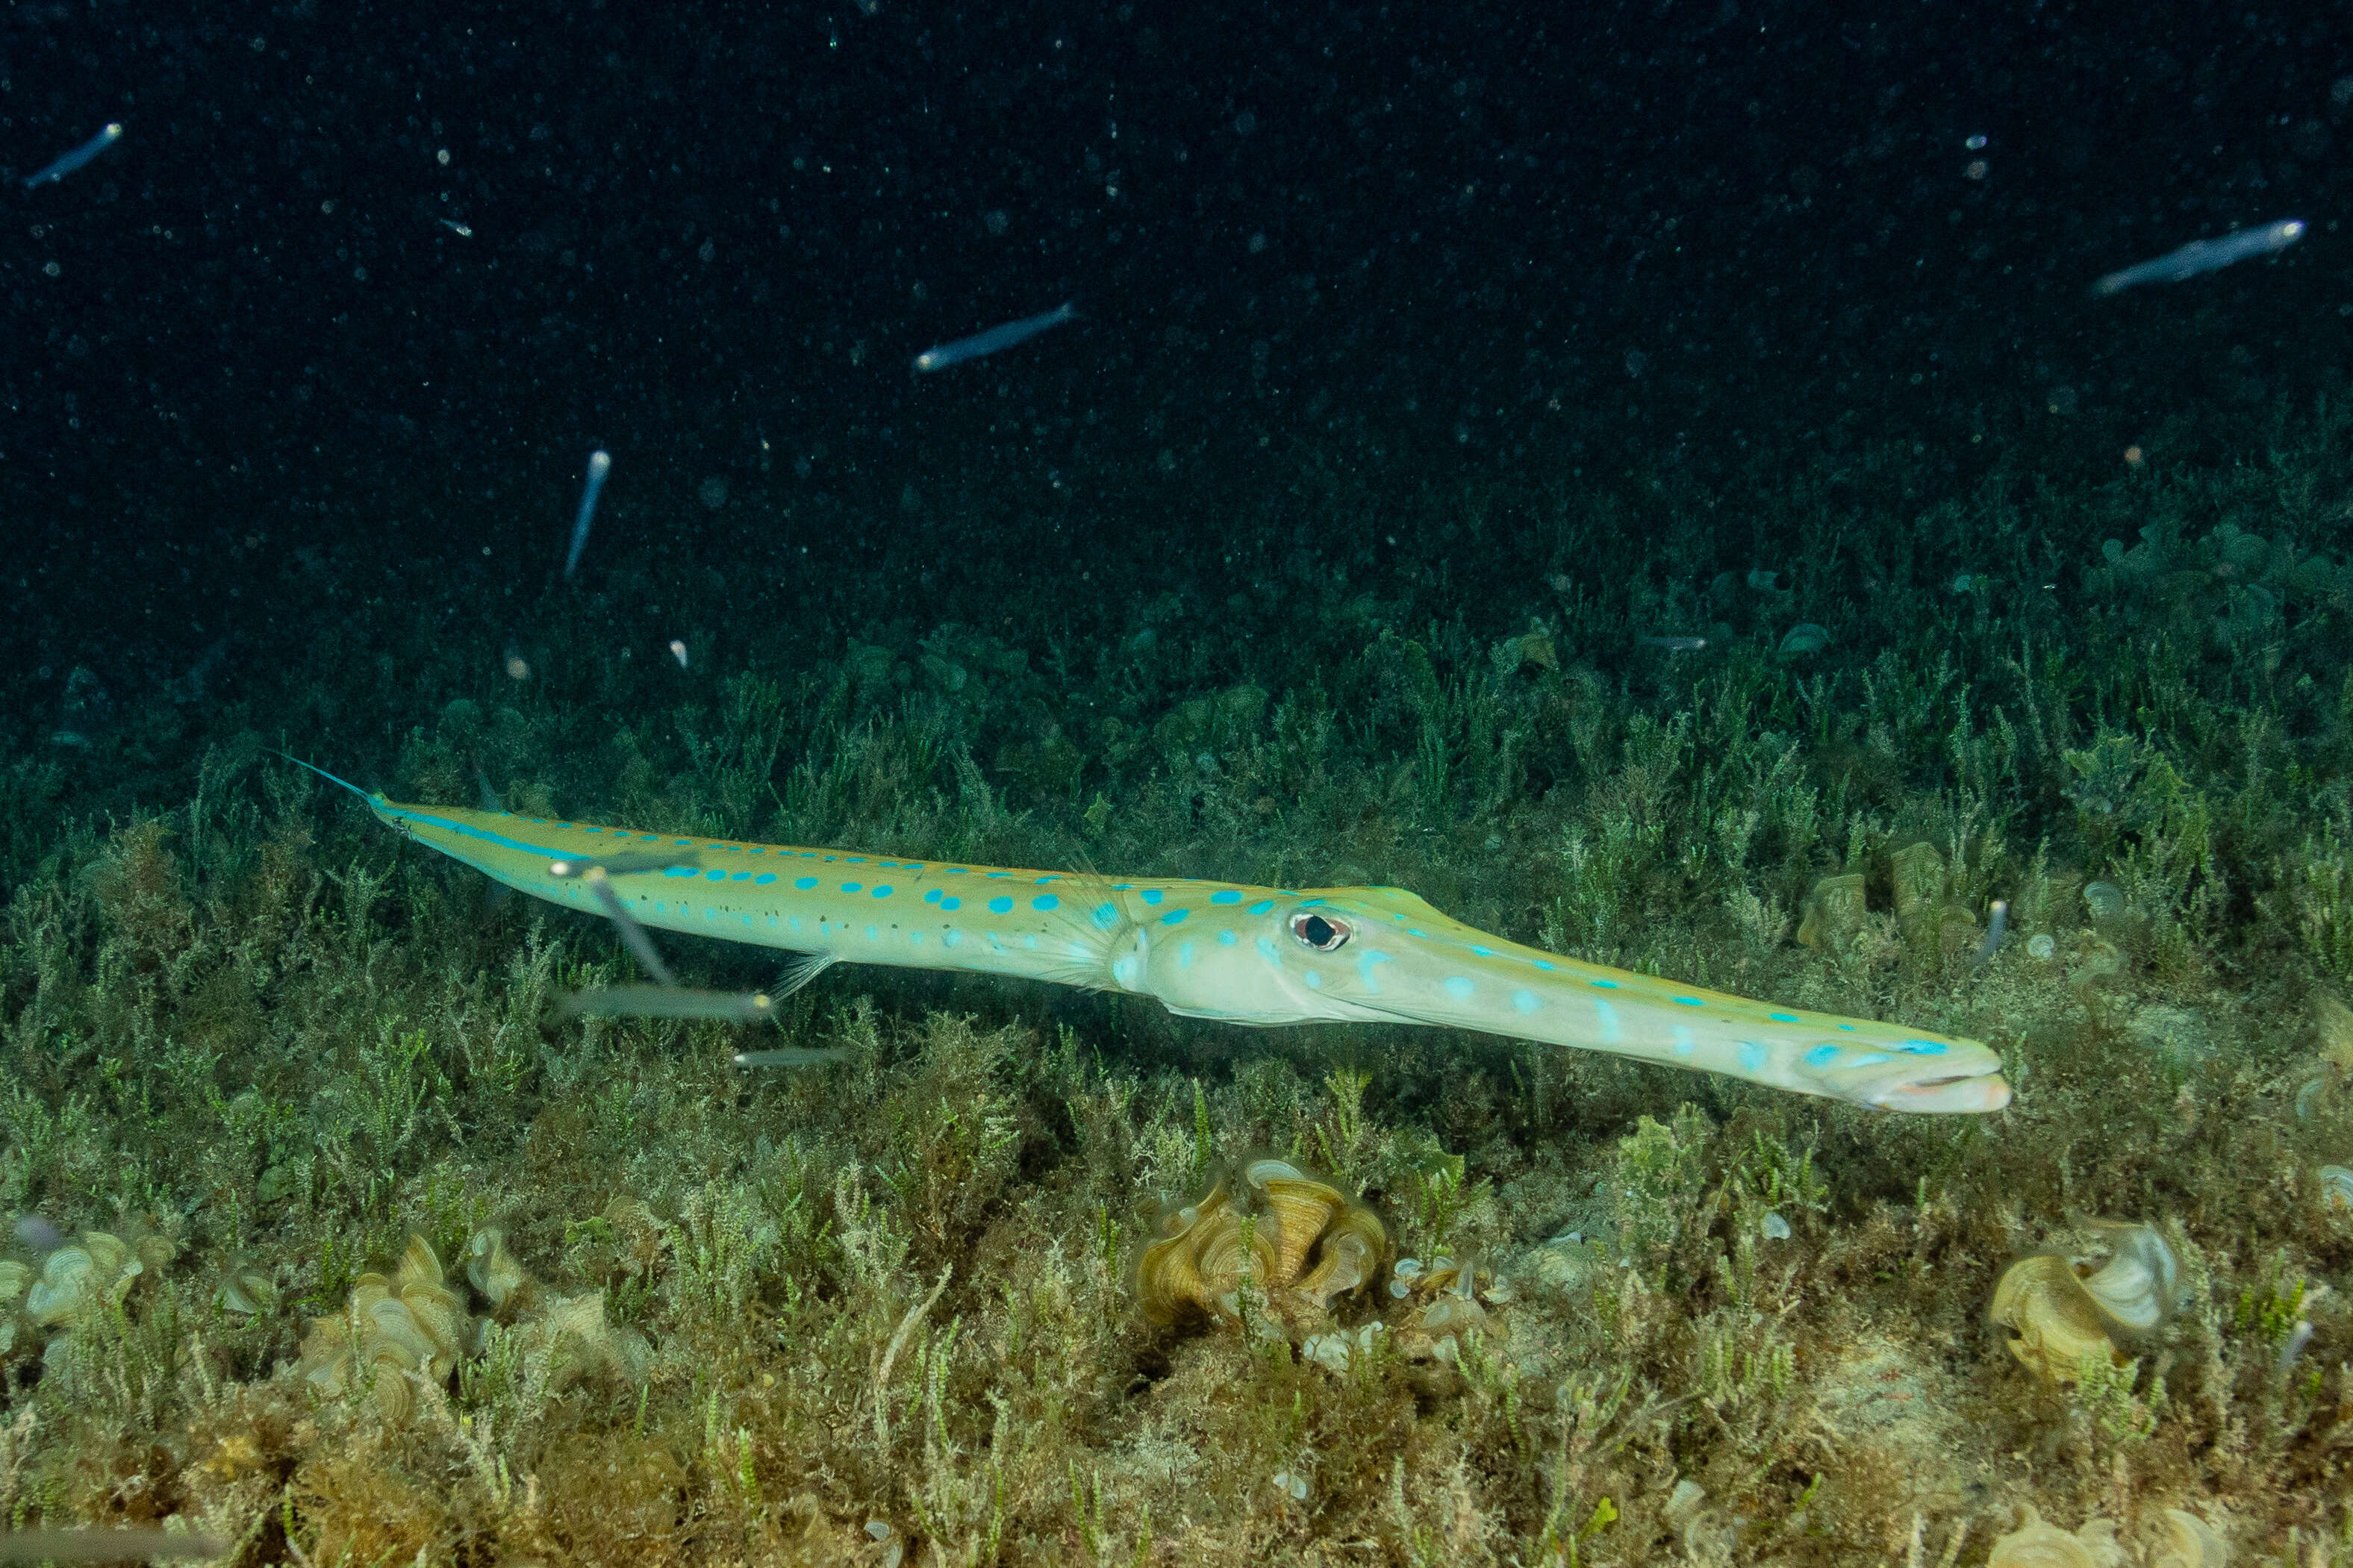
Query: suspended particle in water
x=518 y=668
x=1975 y=143
x=2134 y=457
x=678 y=652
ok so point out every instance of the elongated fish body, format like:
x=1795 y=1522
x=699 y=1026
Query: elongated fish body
x=1225 y=950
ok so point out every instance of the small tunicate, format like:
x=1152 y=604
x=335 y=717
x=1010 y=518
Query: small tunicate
x=878 y=1528
x=1775 y=1227
x=1407 y=1267
x=2336 y=1187
x=2104 y=899
x=1805 y=638
x=1965 y=582
x=2042 y=947
x=1294 y=1485
x=1763 y=580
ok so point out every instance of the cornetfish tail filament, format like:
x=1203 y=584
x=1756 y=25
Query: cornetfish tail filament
x=1223 y=951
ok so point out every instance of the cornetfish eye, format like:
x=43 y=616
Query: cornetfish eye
x=1320 y=931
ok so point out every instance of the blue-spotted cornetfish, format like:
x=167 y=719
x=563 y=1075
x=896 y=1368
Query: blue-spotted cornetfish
x=1204 y=950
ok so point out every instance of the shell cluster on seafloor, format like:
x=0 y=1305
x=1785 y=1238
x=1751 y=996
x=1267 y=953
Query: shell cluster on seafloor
x=415 y=1323
x=1299 y=1244
x=1278 y=1250
x=80 y=1278
x=2190 y=1542
x=2059 y=1313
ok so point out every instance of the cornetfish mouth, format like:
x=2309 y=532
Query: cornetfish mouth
x=1971 y=1095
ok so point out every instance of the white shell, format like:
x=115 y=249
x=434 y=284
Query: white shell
x=2137 y=1288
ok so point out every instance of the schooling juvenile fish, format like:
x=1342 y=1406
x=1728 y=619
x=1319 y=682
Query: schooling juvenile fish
x=67 y=163
x=1204 y=950
x=2205 y=256
x=996 y=338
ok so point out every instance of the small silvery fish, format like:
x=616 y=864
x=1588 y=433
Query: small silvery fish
x=2205 y=256
x=669 y=1002
x=600 y=463
x=996 y=338
x=77 y=157
x=633 y=935
x=792 y=1056
x=1996 y=929
x=624 y=864
x=99 y=1544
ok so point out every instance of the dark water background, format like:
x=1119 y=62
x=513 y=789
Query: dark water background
x=1332 y=260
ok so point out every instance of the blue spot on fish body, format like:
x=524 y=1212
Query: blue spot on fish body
x=1314 y=980
x=1752 y=1056
x=1266 y=951
x=1263 y=907
x=1924 y=1048
x=1785 y=1017
x=1691 y=1001
x=1606 y=1016
x=1175 y=917
x=1184 y=955
x=933 y=896
x=1225 y=896
x=1820 y=1055
x=1106 y=916
x=1606 y=985
x=1150 y=895
x=1044 y=901
x=1684 y=1042
x=1871 y=1059
x=950 y=903
x=1526 y=1000
x=882 y=891
x=1000 y=905
x=851 y=886
x=1458 y=986
x=764 y=879
x=1226 y=938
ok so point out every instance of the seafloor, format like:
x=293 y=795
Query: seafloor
x=885 y=1308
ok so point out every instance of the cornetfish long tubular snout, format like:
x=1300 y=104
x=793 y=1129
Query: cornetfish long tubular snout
x=1369 y=953
x=1203 y=948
